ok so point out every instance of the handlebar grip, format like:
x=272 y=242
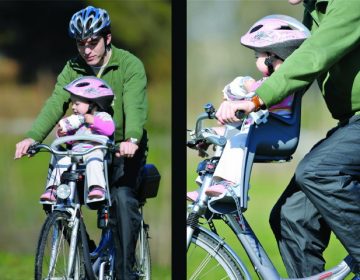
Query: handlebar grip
x=240 y=114
x=33 y=148
x=114 y=148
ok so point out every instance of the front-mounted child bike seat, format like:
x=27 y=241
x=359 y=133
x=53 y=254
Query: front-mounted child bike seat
x=275 y=140
x=83 y=190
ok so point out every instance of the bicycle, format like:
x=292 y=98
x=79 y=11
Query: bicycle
x=207 y=250
x=63 y=247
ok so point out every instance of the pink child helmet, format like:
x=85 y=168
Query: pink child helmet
x=92 y=90
x=278 y=34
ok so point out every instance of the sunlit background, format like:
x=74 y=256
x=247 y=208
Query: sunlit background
x=214 y=58
x=34 y=46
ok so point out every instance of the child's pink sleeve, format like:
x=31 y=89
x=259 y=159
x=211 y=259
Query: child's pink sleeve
x=104 y=126
x=283 y=108
x=257 y=84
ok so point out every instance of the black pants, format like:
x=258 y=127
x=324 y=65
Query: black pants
x=323 y=196
x=125 y=217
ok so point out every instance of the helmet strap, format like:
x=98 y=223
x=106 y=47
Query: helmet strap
x=269 y=63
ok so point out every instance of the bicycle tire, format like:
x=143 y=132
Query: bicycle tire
x=207 y=258
x=142 y=254
x=53 y=250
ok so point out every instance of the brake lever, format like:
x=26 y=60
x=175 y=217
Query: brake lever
x=33 y=149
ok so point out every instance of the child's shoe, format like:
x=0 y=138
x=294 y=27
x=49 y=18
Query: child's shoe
x=192 y=196
x=219 y=189
x=49 y=196
x=96 y=193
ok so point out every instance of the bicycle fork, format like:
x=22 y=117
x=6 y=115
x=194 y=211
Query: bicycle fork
x=74 y=220
x=73 y=246
x=198 y=209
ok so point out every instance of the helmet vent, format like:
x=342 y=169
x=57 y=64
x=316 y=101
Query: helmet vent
x=84 y=84
x=79 y=23
x=285 y=27
x=103 y=86
x=88 y=24
x=98 y=24
x=256 y=28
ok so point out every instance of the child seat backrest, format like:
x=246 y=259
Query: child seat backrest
x=277 y=139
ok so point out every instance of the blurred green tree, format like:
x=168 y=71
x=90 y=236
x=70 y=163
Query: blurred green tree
x=35 y=33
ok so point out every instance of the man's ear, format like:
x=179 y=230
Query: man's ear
x=108 y=39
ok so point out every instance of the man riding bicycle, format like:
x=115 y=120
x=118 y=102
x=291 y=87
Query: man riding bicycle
x=323 y=195
x=125 y=74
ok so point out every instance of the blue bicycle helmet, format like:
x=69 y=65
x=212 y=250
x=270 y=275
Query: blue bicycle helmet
x=88 y=22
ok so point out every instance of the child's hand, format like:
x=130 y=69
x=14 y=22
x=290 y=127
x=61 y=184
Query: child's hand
x=89 y=119
x=60 y=132
x=236 y=90
x=248 y=85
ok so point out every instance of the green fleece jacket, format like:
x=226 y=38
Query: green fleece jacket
x=331 y=55
x=125 y=74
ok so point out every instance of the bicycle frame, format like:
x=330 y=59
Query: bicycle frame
x=240 y=227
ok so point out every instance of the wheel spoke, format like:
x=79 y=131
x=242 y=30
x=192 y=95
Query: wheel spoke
x=207 y=258
x=52 y=255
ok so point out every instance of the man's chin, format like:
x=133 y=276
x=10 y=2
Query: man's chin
x=92 y=62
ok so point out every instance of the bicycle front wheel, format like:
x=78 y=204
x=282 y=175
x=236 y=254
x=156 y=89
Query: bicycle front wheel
x=142 y=254
x=52 y=256
x=208 y=258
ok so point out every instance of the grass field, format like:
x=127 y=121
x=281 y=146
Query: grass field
x=21 y=267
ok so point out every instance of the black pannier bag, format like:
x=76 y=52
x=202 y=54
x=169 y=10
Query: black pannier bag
x=150 y=182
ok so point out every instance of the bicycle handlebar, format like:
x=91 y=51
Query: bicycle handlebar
x=203 y=134
x=104 y=142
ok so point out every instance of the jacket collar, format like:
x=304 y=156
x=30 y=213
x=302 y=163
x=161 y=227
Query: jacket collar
x=315 y=9
x=79 y=64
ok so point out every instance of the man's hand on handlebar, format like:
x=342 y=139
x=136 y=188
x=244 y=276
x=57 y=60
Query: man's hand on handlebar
x=227 y=110
x=127 y=149
x=22 y=147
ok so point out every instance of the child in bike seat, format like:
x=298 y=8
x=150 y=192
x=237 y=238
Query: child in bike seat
x=273 y=38
x=92 y=115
